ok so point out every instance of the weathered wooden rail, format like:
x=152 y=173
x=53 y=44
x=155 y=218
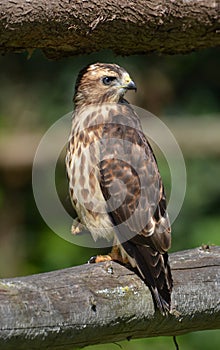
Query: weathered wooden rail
x=106 y=302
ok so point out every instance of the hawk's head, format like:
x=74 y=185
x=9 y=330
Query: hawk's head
x=102 y=82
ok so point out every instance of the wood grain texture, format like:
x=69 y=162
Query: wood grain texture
x=107 y=302
x=67 y=27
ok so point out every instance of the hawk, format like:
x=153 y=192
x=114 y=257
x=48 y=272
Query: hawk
x=114 y=182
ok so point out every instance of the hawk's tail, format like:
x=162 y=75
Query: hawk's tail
x=155 y=271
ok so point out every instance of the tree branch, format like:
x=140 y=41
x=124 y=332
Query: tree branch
x=102 y=303
x=68 y=27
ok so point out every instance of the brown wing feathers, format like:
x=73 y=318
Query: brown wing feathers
x=142 y=247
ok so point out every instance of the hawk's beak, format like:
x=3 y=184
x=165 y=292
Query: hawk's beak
x=131 y=86
x=127 y=83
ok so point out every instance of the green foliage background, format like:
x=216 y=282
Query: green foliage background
x=37 y=92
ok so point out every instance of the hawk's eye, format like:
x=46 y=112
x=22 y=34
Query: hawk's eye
x=108 y=80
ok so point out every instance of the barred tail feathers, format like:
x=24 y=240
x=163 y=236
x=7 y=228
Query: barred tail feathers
x=155 y=271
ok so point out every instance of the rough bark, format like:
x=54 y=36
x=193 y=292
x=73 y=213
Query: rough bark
x=106 y=302
x=67 y=27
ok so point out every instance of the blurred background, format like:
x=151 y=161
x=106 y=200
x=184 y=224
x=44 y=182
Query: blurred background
x=183 y=90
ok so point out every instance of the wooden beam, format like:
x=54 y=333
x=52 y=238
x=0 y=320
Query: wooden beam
x=62 y=28
x=106 y=302
x=17 y=150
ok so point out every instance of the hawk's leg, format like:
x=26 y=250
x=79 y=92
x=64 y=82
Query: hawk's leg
x=76 y=227
x=115 y=255
x=99 y=258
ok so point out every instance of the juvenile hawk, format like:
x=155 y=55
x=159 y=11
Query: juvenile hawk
x=114 y=182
